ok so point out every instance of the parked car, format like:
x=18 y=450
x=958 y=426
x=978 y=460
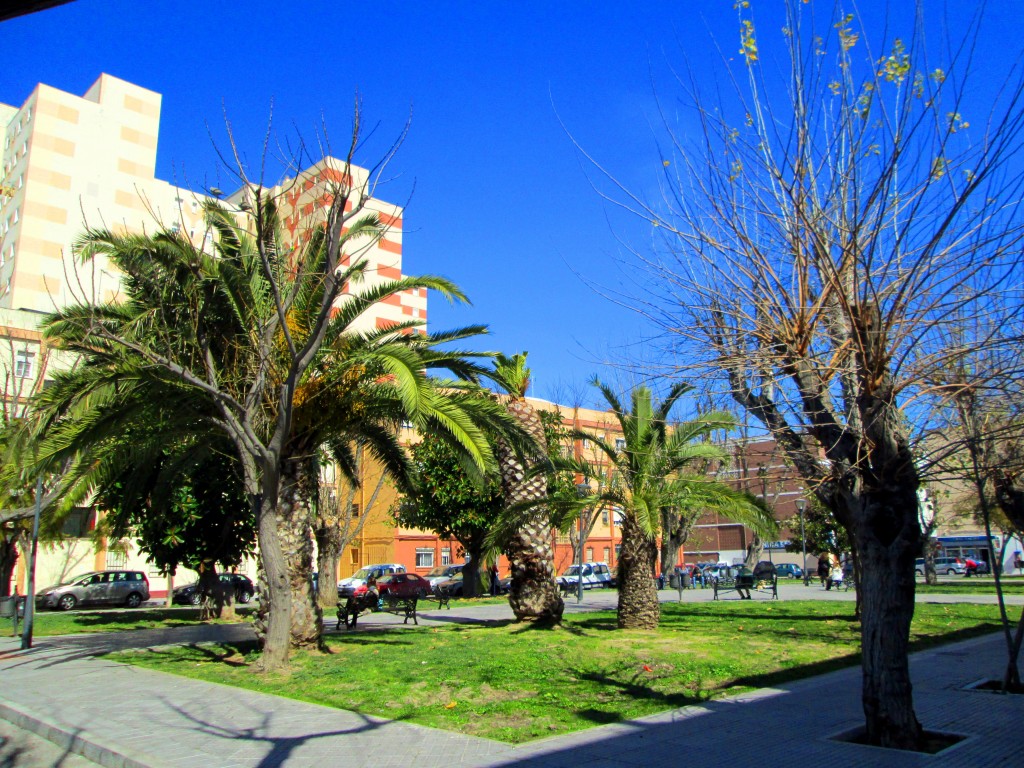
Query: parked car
x=128 y=588
x=789 y=570
x=404 y=585
x=356 y=583
x=948 y=565
x=451 y=587
x=189 y=594
x=593 y=575
x=440 y=573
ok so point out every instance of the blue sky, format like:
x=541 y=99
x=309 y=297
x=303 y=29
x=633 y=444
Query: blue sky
x=500 y=202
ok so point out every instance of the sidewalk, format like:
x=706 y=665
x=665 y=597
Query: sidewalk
x=118 y=715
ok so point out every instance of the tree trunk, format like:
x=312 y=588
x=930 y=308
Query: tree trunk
x=533 y=593
x=674 y=533
x=8 y=559
x=887 y=593
x=273 y=630
x=328 y=557
x=638 y=606
x=930 y=576
x=473 y=572
x=296 y=534
x=755 y=551
x=208 y=588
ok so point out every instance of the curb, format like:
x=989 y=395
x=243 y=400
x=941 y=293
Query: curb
x=80 y=742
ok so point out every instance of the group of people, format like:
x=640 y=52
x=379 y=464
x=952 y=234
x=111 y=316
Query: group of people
x=830 y=571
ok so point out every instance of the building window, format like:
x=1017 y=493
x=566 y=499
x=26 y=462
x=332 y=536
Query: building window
x=116 y=559
x=446 y=556
x=354 y=556
x=606 y=553
x=590 y=554
x=604 y=517
x=355 y=510
x=23 y=364
x=620 y=444
x=424 y=557
x=78 y=523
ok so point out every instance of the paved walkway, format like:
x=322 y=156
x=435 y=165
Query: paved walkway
x=119 y=715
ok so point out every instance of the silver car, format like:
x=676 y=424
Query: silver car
x=128 y=588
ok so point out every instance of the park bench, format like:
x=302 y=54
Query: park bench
x=351 y=609
x=442 y=596
x=399 y=606
x=747 y=584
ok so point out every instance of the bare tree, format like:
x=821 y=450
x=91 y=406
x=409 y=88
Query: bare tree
x=982 y=441
x=817 y=231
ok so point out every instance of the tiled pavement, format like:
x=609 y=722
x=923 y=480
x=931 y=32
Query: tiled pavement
x=126 y=716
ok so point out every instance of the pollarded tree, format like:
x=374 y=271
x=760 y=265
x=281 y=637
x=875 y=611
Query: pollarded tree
x=533 y=594
x=818 y=229
x=660 y=465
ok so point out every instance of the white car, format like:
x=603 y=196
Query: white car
x=594 y=575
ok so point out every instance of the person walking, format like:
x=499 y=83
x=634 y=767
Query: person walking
x=836 y=577
x=823 y=569
x=495 y=580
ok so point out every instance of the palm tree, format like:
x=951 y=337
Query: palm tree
x=350 y=406
x=659 y=466
x=533 y=593
x=241 y=338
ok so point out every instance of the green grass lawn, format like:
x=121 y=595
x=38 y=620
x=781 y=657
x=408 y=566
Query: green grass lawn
x=976 y=585
x=49 y=623
x=517 y=683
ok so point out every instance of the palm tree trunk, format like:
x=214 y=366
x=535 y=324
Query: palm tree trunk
x=272 y=627
x=295 y=526
x=533 y=593
x=638 y=599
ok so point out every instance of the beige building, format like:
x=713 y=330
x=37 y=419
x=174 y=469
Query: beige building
x=75 y=162
x=72 y=162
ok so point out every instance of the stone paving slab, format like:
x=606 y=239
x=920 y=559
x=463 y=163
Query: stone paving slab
x=128 y=716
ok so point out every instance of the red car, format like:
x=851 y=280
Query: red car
x=404 y=585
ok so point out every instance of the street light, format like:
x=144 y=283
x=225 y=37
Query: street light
x=800 y=504
x=30 y=597
x=582 y=490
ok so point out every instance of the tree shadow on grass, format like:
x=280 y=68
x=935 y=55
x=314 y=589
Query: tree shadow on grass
x=639 y=689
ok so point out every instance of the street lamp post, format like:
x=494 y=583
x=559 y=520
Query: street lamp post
x=30 y=597
x=800 y=504
x=582 y=490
